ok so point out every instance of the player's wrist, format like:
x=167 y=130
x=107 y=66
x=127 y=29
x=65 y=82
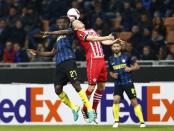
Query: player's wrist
x=108 y=38
x=131 y=69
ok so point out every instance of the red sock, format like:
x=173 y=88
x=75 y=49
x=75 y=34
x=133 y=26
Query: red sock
x=88 y=94
x=97 y=97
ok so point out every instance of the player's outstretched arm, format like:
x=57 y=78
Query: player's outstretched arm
x=39 y=53
x=110 y=42
x=113 y=75
x=59 y=32
x=99 y=38
x=133 y=67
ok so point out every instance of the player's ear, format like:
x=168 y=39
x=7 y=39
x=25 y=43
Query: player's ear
x=73 y=27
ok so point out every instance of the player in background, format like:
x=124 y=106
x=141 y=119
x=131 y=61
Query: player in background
x=66 y=69
x=96 y=66
x=121 y=65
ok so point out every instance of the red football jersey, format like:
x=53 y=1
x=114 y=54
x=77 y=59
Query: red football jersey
x=93 y=49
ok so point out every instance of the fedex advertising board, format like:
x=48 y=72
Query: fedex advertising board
x=37 y=104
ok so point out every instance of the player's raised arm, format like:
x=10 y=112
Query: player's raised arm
x=39 y=53
x=134 y=66
x=99 y=38
x=59 y=32
x=110 y=42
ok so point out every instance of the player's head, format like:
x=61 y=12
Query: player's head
x=116 y=47
x=63 y=22
x=78 y=25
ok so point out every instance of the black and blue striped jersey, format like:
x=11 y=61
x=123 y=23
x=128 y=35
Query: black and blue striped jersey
x=63 y=48
x=117 y=65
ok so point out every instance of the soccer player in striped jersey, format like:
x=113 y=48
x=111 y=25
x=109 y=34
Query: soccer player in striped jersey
x=66 y=69
x=121 y=65
x=96 y=66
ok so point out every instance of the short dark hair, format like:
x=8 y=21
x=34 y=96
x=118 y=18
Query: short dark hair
x=65 y=18
x=118 y=42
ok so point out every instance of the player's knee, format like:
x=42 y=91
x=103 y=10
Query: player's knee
x=101 y=85
x=116 y=100
x=134 y=102
x=58 y=89
x=91 y=88
x=77 y=86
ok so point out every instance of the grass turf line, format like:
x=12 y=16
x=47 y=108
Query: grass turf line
x=85 y=128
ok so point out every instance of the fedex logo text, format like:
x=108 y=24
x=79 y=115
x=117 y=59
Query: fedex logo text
x=10 y=110
x=147 y=102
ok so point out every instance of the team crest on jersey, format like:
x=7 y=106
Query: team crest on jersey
x=113 y=63
x=60 y=37
x=94 y=80
x=81 y=35
x=123 y=60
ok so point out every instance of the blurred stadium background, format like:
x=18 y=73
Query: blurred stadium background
x=146 y=25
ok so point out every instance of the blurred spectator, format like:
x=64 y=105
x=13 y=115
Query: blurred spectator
x=131 y=51
x=4 y=31
x=145 y=22
x=18 y=34
x=146 y=38
x=101 y=26
x=158 y=24
x=9 y=53
x=163 y=51
x=158 y=41
x=116 y=25
x=12 y=16
x=171 y=55
x=2 y=25
x=139 y=7
x=147 y=54
x=20 y=55
x=127 y=16
x=23 y=14
x=136 y=38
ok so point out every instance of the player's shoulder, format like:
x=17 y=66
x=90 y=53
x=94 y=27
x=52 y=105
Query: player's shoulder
x=79 y=32
x=70 y=29
x=93 y=31
x=125 y=54
x=111 y=58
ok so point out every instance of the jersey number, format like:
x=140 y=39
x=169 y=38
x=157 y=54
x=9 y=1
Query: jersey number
x=133 y=91
x=73 y=73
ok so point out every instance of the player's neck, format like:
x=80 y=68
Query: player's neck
x=117 y=55
x=82 y=29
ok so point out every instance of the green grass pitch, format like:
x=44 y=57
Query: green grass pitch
x=85 y=128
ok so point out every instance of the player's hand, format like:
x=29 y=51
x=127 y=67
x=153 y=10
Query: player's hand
x=44 y=34
x=128 y=69
x=111 y=37
x=32 y=52
x=120 y=40
x=114 y=75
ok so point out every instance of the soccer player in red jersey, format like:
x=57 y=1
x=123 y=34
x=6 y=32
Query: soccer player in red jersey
x=96 y=66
